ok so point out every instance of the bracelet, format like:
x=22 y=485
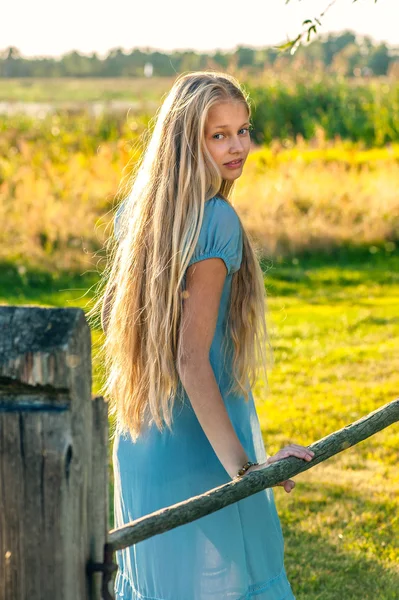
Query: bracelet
x=245 y=468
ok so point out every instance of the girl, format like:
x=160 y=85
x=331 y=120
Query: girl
x=184 y=316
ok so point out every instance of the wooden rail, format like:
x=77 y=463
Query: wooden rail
x=228 y=493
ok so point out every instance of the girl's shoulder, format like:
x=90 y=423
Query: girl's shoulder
x=218 y=201
x=221 y=208
x=217 y=210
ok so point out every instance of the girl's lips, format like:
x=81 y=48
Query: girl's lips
x=234 y=164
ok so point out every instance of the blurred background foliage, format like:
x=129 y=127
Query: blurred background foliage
x=344 y=53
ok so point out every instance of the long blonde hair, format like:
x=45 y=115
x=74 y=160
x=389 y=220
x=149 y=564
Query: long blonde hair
x=158 y=230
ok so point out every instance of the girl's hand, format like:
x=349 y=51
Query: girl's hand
x=290 y=450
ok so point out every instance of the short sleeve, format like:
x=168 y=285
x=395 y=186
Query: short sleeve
x=220 y=235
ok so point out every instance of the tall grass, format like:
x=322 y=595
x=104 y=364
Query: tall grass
x=286 y=104
x=61 y=177
x=366 y=111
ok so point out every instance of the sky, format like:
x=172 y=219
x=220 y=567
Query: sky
x=48 y=28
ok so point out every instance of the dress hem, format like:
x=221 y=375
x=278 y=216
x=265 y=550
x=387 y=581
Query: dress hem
x=124 y=590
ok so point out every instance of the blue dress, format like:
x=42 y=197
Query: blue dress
x=236 y=553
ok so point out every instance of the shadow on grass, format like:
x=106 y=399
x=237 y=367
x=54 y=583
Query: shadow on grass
x=325 y=272
x=321 y=570
x=19 y=284
x=317 y=275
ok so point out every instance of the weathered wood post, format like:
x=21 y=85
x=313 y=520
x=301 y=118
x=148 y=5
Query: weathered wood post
x=53 y=457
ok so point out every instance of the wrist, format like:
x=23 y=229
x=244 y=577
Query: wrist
x=245 y=468
x=236 y=465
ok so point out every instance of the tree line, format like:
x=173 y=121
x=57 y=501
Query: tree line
x=345 y=53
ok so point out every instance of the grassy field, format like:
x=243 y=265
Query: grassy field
x=60 y=181
x=325 y=215
x=62 y=174
x=285 y=104
x=36 y=89
x=334 y=325
x=336 y=334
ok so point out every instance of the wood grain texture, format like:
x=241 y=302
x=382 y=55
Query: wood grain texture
x=53 y=449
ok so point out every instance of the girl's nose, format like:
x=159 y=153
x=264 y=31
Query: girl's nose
x=236 y=145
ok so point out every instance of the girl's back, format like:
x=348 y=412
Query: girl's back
x=184 y=317
x=233 y=552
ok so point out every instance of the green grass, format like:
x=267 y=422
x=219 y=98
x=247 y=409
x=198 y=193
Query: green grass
x=334 y=326
x=335 y=331
x=91 y=89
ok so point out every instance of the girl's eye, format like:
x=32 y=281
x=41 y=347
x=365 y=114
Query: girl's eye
x=216 y=134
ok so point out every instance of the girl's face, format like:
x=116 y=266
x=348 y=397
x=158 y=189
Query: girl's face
x=227 y=137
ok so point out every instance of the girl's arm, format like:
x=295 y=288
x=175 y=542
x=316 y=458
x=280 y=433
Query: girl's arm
x=204 y=285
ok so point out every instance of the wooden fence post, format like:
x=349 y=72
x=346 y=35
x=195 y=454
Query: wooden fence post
x=53 y=457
